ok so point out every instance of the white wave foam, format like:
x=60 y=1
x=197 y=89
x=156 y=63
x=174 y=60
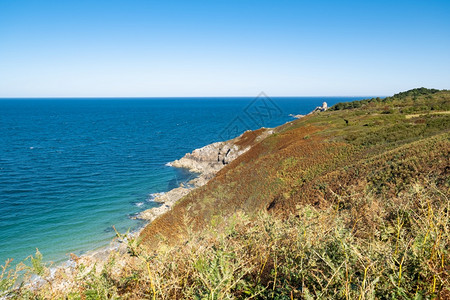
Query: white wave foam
x=152 y=197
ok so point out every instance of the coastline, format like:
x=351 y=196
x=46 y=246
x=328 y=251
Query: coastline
x=113 y=188
x=203 y=163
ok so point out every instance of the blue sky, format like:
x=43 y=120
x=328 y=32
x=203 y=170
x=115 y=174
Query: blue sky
x=221 y=48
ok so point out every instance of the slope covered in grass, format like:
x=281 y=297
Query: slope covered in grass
x=377 y=147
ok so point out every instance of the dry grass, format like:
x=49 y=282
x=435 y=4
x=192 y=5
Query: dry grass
x=314 y=253
x=432 y=113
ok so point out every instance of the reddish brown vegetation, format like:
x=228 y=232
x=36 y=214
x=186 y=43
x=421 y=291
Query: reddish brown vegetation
x=310 y=161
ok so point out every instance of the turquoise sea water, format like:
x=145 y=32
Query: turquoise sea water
x=72 y=168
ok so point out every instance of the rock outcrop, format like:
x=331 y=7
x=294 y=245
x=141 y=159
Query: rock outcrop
x=208 y=160
x=167 y=200
x=324 y=107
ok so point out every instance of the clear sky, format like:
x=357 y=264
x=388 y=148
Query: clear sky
x=150 y=48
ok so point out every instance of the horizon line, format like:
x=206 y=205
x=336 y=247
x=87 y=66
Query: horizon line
x=183 y=97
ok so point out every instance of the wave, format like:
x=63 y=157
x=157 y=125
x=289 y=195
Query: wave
x=152 y=196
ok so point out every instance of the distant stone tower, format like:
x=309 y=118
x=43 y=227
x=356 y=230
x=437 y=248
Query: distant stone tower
x=324 y=106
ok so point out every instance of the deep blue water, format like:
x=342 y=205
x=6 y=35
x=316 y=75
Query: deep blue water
x=72 y=168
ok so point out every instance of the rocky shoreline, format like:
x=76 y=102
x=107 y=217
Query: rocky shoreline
x=204 y=163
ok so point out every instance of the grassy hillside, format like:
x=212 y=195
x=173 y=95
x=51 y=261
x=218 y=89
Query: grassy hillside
x=379 y=147
x=351 y=203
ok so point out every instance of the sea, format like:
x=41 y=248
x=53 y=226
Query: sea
x=70 y=169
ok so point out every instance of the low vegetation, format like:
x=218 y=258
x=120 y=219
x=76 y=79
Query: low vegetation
x=351 y=203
